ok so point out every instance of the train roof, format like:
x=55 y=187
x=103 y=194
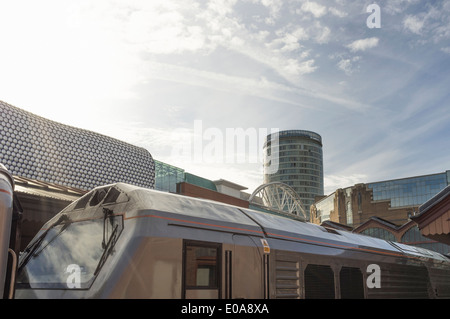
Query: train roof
x=252 y=221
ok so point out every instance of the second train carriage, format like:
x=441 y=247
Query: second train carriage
x=122 y=241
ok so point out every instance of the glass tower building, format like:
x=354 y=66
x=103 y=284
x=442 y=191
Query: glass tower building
x=300 y=163
x=404 y=193
x=411 y=191
x=168 y=176
x=383 y=209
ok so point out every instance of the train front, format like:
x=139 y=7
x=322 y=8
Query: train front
x=77 y=254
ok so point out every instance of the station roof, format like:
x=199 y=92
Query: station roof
x=38 y=188
x=433 y=218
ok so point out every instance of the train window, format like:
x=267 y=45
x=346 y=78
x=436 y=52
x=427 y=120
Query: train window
x=98 y=197
x=319 y=282
x=81 y=203
x=80 y=246
x=201 y=265
x=112 y=196
x=352 y=283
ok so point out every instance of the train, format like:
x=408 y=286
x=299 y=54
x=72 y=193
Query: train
x=123 y=241
x=6 y=225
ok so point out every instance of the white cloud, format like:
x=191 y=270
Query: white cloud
x=363 y=44
x=334 y=182
x=301 y=68
x=432 y=24
x=346 y=65
x=336 y=12
x=446 y=50
x=323 y=35
x=316 y=9
x=315 y=31
x=274 y=7
x=288 y=41
x=216 y=81
x=413 y=24
x=221 y=7
x=397 y=6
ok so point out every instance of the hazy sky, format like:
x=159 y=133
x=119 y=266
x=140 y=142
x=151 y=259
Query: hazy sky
x=145 y=71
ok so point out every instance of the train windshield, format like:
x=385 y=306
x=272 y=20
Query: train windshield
x=69 y=255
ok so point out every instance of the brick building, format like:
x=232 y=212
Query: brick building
x=392 y=200
x=384 y=209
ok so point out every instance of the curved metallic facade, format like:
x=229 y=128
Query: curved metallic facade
x=300 y=161
x=37 y=148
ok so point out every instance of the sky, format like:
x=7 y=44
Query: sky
x=165 y=75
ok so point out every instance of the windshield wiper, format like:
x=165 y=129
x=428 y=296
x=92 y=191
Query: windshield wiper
x=107 y=246
x=107 y=249
x=63 y=228
x=106 y=213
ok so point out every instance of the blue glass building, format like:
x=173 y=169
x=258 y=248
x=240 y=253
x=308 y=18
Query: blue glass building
x=168 y=176
x=412 y=191
x=383 y=209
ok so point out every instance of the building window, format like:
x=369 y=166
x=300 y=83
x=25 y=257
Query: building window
x=379 y=233
x=415 y=238
x=359 y=202
x=167 y=177
x=412 y=191
x=348 y=209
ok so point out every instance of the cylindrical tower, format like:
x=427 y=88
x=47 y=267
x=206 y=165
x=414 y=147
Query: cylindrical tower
x=299 y=156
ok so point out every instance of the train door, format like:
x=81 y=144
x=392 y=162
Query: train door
x=244 y=269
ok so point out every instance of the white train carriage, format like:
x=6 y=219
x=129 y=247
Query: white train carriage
x=122 y=241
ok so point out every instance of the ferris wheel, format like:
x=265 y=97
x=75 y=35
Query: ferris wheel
x=279 y=197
